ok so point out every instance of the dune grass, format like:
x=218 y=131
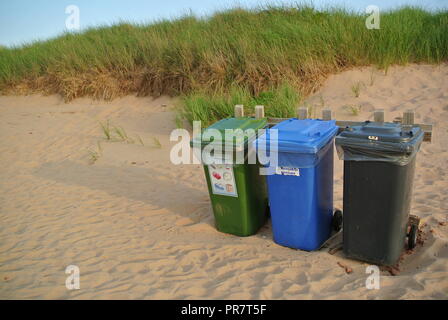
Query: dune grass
x=209 y=107
x=356 y=88
x=239 y=53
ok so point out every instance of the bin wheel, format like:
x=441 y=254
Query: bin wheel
x=412 y=236
x=337 y=220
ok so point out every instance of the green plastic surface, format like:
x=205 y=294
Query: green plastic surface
x=244 y=123
x=244 y=213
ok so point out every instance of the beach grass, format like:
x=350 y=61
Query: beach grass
x=211 y=106
x=156 y=143
x=105 y=127
x=94 y=155
x=238 y=56
x=356 y=89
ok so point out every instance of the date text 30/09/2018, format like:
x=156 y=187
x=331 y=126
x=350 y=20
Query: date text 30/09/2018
x=230 y=309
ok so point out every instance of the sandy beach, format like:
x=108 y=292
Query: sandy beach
x=139 y=227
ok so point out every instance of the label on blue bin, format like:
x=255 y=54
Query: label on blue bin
x=222 y=180
x=287 y=171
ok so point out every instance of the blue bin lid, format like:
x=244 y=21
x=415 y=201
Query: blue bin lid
x=301 y=136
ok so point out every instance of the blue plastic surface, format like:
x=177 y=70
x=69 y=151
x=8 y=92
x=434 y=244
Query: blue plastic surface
x=300 y=142
x=302 y=206
x=301 y=136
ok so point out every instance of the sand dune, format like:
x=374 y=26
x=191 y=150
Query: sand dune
x=140 y=227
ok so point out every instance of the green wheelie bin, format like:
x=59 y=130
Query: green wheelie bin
x=237 y=190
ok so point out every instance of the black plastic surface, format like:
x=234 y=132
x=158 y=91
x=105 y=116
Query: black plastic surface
x=377 y=198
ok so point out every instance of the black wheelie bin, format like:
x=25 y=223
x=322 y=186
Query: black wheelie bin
x=379 y=162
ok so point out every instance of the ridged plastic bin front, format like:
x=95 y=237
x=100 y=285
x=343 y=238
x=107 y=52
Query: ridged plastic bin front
x=302 y=206
x=377 y=200
x=243 y=209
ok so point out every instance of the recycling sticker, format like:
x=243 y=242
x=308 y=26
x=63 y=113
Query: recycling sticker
x=222 y=180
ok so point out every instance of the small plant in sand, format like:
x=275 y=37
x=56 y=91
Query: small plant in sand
x=106 y=129
x=353 y=109
x=372 y=78
x=140 y=140
x=122 y=135
x=115 y=133
x=156 y=143
x=94 y=155
x=356 y=88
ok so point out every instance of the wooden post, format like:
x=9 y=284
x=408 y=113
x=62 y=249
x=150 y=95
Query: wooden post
x=239 y=111
x=408 y=117
x=259 y=112
x=378 y=115
x=302 y=113
x=326 y=114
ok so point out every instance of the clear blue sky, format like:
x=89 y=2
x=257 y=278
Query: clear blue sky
x=23 y=21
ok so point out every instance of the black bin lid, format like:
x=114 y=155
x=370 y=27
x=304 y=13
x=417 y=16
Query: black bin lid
x=382 y=141
x=382 y=132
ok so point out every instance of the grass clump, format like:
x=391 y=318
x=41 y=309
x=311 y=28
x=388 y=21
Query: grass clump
x=140 y=140
x=115 y=133
x=105 y=127
x=278 y=102
x=356 y=89
x=94 y=155
x=122 y=135
x=156 y=143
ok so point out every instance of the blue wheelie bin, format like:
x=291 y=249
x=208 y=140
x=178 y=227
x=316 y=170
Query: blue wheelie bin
x=301 y=187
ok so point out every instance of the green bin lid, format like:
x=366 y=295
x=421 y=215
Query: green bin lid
x=237 y=141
